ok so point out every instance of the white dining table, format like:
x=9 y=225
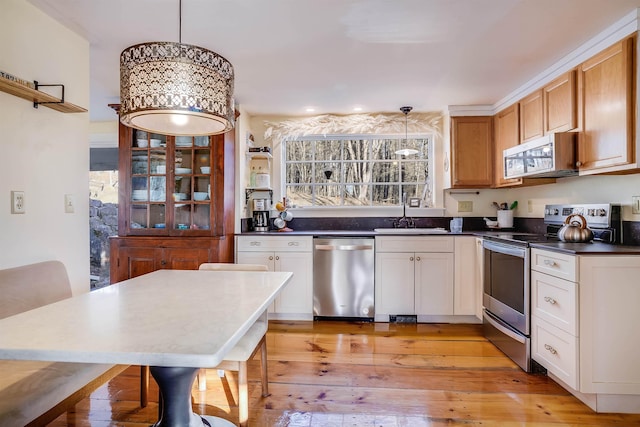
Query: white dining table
x=175 y=321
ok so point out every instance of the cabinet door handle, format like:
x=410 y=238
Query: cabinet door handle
x=163 y=262
x=550 y=300
x=578 y=163
x=550 y=263
x=277 y=257
x=410 y=258
x=270 y=257
x=417 y=258
x=550 y=349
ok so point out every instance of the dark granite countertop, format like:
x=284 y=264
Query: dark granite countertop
x=355 y=233
x=591 y=248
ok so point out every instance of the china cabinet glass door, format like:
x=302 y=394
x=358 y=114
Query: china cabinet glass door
x=170 y=185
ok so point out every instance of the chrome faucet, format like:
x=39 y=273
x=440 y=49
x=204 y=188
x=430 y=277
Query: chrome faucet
x=404 y=221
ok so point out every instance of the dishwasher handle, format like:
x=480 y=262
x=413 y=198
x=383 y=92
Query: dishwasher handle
x=344 y=247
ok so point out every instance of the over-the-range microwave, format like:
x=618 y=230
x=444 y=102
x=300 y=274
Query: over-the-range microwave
x=550 y=156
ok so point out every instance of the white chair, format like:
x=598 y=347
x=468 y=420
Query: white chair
x=237 y=358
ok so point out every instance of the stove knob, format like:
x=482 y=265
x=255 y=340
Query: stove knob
x=602 y=212
x=554 y=211
x=591 y=212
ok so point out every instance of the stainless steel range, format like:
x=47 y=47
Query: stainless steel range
x=506 y=296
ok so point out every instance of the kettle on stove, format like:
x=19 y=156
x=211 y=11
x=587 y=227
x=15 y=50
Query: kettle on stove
x=575 y=231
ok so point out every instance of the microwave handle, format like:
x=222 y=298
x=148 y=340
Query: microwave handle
x=503 y=249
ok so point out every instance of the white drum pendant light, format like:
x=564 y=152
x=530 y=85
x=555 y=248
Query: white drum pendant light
x=176 y=89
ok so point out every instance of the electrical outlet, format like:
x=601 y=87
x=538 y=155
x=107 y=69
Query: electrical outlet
x=465 y=206
x=635 y=204
x=17 y=202
x=529 y=206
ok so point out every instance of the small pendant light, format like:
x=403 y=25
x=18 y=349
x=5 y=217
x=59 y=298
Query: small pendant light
x=406 y=151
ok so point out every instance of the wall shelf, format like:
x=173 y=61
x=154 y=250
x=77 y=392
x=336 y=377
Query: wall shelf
x=259 y=155
x=38 y=97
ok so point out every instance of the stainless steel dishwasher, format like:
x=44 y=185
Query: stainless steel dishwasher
x=343 y=270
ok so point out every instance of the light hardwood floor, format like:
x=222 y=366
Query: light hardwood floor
x=326 y=374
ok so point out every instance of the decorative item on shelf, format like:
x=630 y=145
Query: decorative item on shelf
x=284 y=216
x=260 y=150
x=176 y=89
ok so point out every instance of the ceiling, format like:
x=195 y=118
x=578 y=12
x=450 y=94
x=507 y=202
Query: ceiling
x=335 y=55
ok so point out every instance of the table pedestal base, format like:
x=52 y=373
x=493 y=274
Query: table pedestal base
x=175 y=388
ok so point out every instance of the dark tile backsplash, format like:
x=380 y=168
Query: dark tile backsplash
x=529 y=225
x=630 y=229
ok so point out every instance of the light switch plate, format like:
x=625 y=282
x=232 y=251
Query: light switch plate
x=69 y=203
x=635 y=204
x=17 y=202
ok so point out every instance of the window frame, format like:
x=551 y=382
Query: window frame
x=429 y=161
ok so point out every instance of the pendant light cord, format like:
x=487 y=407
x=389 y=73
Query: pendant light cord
x=180 y=23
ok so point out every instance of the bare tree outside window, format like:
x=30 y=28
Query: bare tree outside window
x=346 y=170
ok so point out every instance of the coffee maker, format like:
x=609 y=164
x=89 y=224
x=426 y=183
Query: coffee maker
x=260 y=215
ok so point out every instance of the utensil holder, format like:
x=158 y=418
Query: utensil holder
x=505 y=218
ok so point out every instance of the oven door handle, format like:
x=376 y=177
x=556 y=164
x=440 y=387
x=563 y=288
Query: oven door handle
x=504 y=249
x=508 y=332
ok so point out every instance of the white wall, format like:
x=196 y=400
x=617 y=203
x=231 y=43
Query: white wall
x=585 y=189
x=45 y=153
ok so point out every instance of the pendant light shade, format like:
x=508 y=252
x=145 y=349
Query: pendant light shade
x=176 y=89
x=406 y=151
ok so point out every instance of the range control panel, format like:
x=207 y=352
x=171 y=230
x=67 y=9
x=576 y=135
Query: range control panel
x=598 y=215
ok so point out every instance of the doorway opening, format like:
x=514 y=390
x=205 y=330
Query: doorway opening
x=103 y=212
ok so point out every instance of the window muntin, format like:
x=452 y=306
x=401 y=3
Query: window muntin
x=351 y=171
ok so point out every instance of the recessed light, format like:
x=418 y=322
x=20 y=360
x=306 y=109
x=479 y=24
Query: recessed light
x=357 y=108
x=310 y=109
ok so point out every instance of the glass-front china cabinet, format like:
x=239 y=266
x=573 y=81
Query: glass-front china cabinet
x=176 y=202
x=170 y=187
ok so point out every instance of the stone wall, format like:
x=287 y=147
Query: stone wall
x=103 y=222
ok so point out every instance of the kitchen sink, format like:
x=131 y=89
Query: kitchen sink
x=436 y=230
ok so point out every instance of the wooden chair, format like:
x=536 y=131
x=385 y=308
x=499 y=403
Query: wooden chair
x=237 y=358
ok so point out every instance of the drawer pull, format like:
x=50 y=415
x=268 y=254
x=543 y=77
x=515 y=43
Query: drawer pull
x=254 y=243
x=550 y=263
x=550 y=349
x=293 y=243
x=550 y=300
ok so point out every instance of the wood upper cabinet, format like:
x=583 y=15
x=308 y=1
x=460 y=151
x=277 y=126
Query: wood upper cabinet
x=170 y=186
x=560 y=104
x=606 y=95
x=531 y=117
x=471 y=152
x=507 y=132
x=550 y=109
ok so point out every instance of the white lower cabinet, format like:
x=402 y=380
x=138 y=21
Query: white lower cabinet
x=556 y=350
x=294 y=254
x=414 y=276
x=585 y=332
x=467 y=280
